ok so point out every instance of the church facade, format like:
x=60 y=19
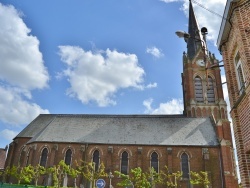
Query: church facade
x=198 y=140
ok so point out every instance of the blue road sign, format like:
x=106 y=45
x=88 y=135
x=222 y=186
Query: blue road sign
x=100 y=183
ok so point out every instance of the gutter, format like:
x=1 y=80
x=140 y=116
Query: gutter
x=223 y=23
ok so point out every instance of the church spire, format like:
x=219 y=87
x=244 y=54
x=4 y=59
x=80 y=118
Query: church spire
x=194 y=42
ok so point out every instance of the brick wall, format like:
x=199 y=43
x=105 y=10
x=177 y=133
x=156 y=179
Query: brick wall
x=139 y=156
x=239 y=41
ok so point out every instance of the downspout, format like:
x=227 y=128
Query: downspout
x=85 y=182
x=222 y=169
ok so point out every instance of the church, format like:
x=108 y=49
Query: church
x=197 y=140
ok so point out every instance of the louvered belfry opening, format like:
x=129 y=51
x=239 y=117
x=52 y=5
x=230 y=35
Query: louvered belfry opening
x=210 y=90
x=198 y=90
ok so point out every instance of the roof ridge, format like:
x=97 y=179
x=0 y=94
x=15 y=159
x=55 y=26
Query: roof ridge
x=121 y=115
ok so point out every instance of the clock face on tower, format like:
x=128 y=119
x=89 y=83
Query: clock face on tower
x=200 y=62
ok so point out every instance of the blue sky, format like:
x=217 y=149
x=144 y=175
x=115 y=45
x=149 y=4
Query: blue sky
x=94 y=57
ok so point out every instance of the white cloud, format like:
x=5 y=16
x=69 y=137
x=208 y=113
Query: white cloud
x=174 y=106
x=22 y=69
x=151 y=85
x=15 y=110
x=147 y=103
x=205 y=18
x=98 y=76
x=155 y=52
x=21 y=61
x=8 y=134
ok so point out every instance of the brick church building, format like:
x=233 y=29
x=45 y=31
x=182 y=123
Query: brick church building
x=234 y=44
x=197 y=140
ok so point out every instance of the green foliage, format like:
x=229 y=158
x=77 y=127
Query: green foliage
x=199 y=178
x=124 y=179
x=22 y=174
x=27 y=174
x=37 y=171
x=137 y=178
x=74 y=174
x=59 y=172
x=154 y=177
x=5 y=173
x=88 y=171
x=170 y=179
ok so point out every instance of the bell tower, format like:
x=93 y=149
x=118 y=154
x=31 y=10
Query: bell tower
x=203 y=94
x=201 y=79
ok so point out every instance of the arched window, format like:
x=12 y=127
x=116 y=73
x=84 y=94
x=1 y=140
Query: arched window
x=185 y=166
x=239 y=73
x=68 y=157
x=154 y=161
x=44 y=157
x=198 y=90
x=96 y=159
x=124 y=163
x=210 y=90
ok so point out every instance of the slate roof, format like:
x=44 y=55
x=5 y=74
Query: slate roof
x=122 y=129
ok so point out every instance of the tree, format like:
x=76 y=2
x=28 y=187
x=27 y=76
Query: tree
x=200 y=178
x=74 y=173
x=125 y=180
x=37 y=171
x=89 y=172
x=27 y=174
x=170 y=179
x=22 y=174
x=137 y=178
x=59 y=172
x=154 y=177
x=5 y=173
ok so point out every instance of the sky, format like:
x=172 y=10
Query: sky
x=94 y=57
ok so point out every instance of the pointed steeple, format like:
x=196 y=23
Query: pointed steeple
x=194 y=42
